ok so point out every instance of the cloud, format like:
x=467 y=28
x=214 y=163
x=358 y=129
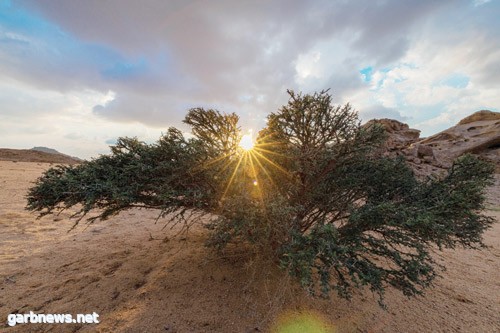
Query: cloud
x=379 y=111
x=478 y=3
x=143 y=64
x=225 y=49
x=438 y=84
x=64 y=121
x=155 y=111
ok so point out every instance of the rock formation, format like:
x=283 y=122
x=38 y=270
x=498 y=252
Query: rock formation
x=480 y=116
x=400 y=135
x=478 y=134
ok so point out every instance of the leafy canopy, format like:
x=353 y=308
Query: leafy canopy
x=314 y=194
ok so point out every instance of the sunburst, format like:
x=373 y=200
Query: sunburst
x=247 y=142
x=250 y=161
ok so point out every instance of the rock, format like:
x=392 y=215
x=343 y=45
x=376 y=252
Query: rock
x=400 y=135
x=424 y=151
x=478 y=134
x=428 y=159
x=480 y=116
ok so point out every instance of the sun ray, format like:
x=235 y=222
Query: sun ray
x=259 y=148
x=273 y=163
x=225 y=166
x=259 y=188
x=232 y=177
x=265 y=171
x=213 y=161
x=252 y=157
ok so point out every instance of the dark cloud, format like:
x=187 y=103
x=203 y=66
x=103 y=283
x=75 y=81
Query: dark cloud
x=227 y=45
x=385 y=26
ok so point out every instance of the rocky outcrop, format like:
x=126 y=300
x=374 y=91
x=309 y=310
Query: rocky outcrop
x=478 y=134
x=403 y=141
x=400 y=135
x=480 y=116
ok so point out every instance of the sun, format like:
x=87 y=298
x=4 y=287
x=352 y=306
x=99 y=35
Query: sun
x=246 y=142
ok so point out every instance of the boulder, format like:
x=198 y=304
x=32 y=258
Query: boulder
x=424 y=151
x=400 y=135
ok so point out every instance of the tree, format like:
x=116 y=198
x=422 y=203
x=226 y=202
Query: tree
x=315 y=194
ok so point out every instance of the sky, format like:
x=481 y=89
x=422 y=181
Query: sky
x=76 y=75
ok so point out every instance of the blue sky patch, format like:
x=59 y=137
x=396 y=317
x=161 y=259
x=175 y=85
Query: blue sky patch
x=367 y=73
x=124 y=70
x=51 y=49
x=456 y=80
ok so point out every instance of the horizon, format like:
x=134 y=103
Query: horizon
x=247 y=139
x=139 y=67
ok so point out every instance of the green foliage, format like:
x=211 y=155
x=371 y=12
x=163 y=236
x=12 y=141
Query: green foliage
x=134 y=175
x=315 y=195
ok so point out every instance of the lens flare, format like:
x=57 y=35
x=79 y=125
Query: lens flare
x=302 y=322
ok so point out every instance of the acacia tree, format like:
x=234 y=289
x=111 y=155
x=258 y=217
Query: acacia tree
x=314 y=194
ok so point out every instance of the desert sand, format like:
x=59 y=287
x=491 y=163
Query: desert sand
x=138 y=277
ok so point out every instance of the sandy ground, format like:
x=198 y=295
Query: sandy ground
x=139 y=278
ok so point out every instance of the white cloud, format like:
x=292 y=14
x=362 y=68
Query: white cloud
x=138 y=67
x=63 y=121
x=307 y=66
x=436 y=84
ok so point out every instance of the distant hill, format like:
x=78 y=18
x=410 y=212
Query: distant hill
x=46 y=150
x=53 y=151
x=37 y=154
